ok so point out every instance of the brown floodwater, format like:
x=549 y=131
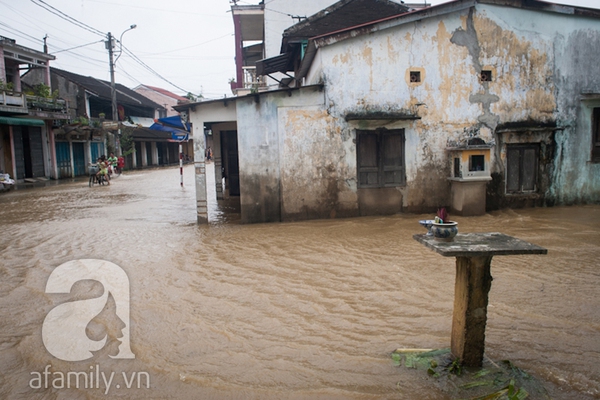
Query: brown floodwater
x=306 y=310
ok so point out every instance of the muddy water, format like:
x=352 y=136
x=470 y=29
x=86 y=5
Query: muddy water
x=299 y=311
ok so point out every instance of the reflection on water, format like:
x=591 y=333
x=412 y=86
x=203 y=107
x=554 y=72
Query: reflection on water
x=290 y=310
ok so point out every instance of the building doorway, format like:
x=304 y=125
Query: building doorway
x=229 y=146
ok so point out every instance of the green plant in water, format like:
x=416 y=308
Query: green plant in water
x=503 y=381
x=455 y=367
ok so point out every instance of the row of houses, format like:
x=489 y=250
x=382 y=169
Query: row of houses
x=377 y=107
x=53 y=123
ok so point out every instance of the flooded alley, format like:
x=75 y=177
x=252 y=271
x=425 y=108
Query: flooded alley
x=307 y=310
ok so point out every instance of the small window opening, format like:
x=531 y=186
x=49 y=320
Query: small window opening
x=485 y=76
x=477 y=163
x=415 y=76
x=596 y=135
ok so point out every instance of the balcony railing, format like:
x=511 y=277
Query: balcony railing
x=251 y=80
x=46 y=104
x=21 y=103
x=13 y=101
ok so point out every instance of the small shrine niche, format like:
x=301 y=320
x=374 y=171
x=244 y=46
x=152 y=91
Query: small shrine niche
x=470 y=172
x=471 y=161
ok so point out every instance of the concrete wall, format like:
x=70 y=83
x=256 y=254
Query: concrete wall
x=577 y=75
x=541 y=63
x=297 y=149
x=218 y=111
x=288 y=152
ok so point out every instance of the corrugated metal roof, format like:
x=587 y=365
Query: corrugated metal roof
x=280 y=63
x=341 y=15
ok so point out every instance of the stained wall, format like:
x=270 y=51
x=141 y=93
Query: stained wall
x=297 y=149
x=541 y=64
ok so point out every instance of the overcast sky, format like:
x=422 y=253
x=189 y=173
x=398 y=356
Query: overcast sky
x=179 y=45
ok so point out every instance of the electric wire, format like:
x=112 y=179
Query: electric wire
x=60 y=14
x=93 y=61
x=77 y=47
x=22 y=33
x=143 y=64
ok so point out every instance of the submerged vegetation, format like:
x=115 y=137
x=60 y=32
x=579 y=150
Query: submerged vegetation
x=494 y=381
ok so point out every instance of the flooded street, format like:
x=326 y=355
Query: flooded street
x=307 y=310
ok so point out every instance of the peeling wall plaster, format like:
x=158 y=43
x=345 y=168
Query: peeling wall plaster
x=298 y=154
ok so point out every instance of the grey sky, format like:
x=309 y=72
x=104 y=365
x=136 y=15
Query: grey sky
x=180 y=45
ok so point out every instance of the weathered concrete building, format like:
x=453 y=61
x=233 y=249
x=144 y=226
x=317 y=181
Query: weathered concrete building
x=26 y=116
x=376 y=108
x=258 y=31
x=92 y=131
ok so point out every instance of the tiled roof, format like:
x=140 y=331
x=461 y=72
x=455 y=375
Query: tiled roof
x=103 y=89
x=167 y=93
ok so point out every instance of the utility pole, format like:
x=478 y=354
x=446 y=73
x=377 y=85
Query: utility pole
x=113 y=91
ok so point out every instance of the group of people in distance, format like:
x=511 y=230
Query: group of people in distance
x=107 y=165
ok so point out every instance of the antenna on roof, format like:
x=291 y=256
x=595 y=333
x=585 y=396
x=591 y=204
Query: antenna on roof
x=45 y=45
x=298 y=17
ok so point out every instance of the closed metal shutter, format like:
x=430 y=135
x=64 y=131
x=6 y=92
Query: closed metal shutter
x=79 y=159
x=63 y=159
x=19 y=154
x=37 y=152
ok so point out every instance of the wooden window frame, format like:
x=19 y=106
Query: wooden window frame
x=522 y=148
x=380 y=168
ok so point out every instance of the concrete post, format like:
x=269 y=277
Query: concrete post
x=200 y=171
x=473 y=284
x=2 y=66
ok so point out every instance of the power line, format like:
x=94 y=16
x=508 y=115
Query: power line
x=162 y=10
x=55 y=11
x=77 y=47
x=22 y=33
x=194 y=45
x=60 y=14
x=143 y=64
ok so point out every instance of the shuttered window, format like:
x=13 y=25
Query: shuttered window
x=380 y=158
x=521 y=168
x=596 y=135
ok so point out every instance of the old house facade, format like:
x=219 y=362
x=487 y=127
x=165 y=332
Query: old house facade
x=92 y=131
x=26 y=117
x=379 y=106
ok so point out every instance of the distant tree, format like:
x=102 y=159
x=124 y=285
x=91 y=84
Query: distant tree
x=127 y=145
x=192 y=97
